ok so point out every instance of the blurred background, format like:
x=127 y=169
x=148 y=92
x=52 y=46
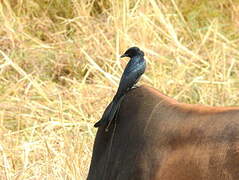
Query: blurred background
x=60 y=67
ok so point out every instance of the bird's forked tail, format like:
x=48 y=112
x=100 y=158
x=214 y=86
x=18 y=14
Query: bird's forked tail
x=110 y=113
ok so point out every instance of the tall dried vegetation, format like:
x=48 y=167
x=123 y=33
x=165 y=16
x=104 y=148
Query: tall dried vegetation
x=60 y=66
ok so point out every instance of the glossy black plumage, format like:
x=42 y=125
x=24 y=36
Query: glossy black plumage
x=133 y=71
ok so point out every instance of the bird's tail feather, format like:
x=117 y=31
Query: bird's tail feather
x=110 y=112
x=104 y=116
x=113 y=112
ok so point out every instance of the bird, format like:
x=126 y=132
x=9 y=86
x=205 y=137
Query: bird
x=131 y=75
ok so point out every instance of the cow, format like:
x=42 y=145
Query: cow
x=155 y=137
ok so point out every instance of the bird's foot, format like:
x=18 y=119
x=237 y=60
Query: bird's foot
x=135 y=86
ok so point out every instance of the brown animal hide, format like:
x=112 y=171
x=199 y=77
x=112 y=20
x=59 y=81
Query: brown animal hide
x=157 y=138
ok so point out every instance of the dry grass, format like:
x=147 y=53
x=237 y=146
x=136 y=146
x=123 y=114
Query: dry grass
x=60 y=66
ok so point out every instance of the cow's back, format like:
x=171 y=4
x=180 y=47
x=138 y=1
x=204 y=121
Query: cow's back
x=157 y=138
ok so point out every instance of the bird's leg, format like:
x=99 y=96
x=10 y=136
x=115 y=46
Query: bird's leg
x=135 y=85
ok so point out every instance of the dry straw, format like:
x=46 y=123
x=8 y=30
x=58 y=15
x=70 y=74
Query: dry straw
x=60 y=66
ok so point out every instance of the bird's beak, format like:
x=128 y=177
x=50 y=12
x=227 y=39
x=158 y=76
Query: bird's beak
x=124 y=55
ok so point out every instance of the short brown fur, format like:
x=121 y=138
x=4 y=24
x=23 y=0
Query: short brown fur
x=158 y=138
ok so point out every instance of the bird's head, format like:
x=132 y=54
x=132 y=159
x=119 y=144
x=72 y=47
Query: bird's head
x=133 y=51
